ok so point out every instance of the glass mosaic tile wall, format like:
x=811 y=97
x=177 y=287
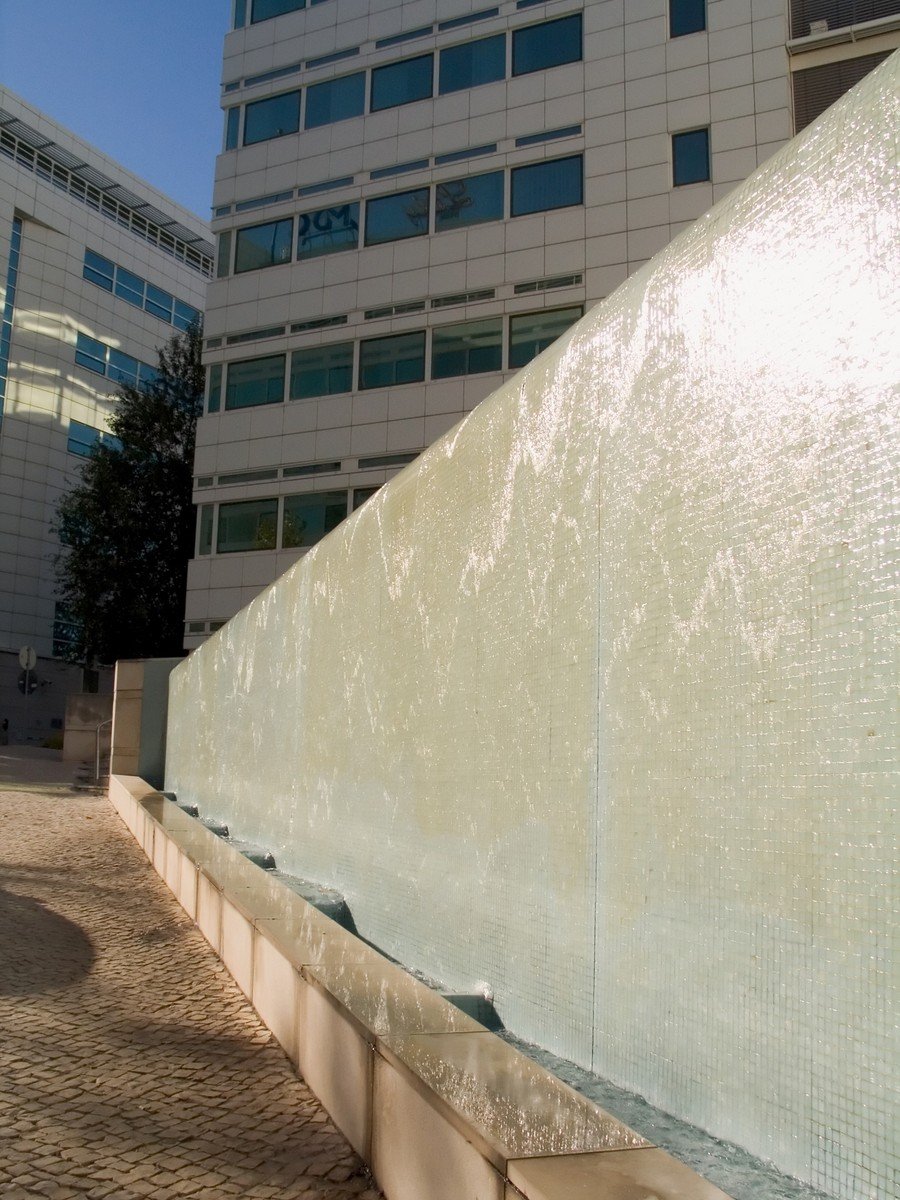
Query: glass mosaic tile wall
x=594 y=701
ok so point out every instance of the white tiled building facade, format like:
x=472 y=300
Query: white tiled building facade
x=97 y=270
x=414 y=198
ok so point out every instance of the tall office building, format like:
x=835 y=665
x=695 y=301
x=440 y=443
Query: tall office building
x=415 y=198
x=97 y=270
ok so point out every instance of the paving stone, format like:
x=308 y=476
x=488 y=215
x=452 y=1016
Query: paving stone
x=130 y=1063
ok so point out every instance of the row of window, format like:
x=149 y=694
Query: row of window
x=276 y=523
x=685 y=16
x=6 y=320
x=114 y=364
x=128 y=286
x=83 y=439
x=537 y=187
x=534 y=48
x=467 y=348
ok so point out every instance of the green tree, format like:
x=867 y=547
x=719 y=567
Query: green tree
x=128 y=528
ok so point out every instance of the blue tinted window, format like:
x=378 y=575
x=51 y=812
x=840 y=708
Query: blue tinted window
x=402 y=82
x=232 y=124
x=185 y=316
x=468 y=201
x=272 y=118
x=240 y=13
x=472 y=63
x=82 y=439
x=546 y=185
x=159 y=303
x=308 y=518
x=549 y=44
x=322 y=371
x=387 y=360
x=223 y=254
x=147 y=374
x=91 y=354
x=99 y=270
x=267 y=245
x=690 y=157
x=255 y=381
x=335 y=100
x=530 y=333
x=327 y=230
x=264 y=9
x=122 y=368
x=467 y=349
x=403 y=215
x=686 y=16
x=130 y=287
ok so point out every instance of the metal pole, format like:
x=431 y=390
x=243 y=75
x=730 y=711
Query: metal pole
x=97 y=761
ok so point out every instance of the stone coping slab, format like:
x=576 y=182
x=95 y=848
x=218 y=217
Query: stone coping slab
x=511 y=1106
x=547 y=1141
x=383 y=998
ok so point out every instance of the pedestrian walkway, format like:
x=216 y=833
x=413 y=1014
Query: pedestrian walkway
x=131 y=1065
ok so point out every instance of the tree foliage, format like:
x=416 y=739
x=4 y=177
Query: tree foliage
x=128 y=528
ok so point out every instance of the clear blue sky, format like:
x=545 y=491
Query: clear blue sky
x=137 y=78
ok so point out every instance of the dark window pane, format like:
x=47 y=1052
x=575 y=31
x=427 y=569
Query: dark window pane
x=232 y=124
x=214 y=388
x=147 y=374
x=272 y=118
x=468 y=201
x=185 y=316
x=159 y=303
x=546 y=185
x=322 y=371
x=91 y=354
x=247 y=525
x=686 y=16
x=690 y=157
x=255 y=381
x=223 y=255
x=403 y=215
x=388 y=360
x=240 y=13
x=66 y=630
x=531 y=333
x=472 y=63
x=99 y=270
x=402 y=82
x=467 y=349
x=335 y=100
x=82 y=439
x=260 y=246
x=308 y=518
x=264 y=9
x=129 y=287
x=122 y=368
x=361 y=495
x=549 y=44
x=204 y=545
x=328 y=230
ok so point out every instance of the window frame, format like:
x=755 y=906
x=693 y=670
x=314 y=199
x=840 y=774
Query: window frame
x=278 y=227
x=383 y=203
x=677 y=17
x=380 y=72
x=533 y=169
x=229 y=406
x=447 y=51
x=257 y=105
x=686 y=133
x=519 y=35
x=394 y=381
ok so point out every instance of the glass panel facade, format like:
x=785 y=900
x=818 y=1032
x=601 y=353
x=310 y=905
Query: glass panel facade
x=185 y=316
x=402 y=82
x=468 y=201
x=686 y=16
x=328 y=230
x=531 y=333
x=263 y=10
x=472 y=63
x=122 y=368
x=391 y=218
x=335 y=100
x=546 y=185
x=549 y=44
x=388 y=360
x=247 y=525
x=82 y=439
x=259 y=246
x=99 y=270
x=271 y=118
x=255 y=381
x=690 y=157
x=214 y=388
x=130 y=287
x=159 y=303
x=322 y=371
x=467 y=349
x=308 y=518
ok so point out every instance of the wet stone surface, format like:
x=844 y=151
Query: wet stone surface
x=130 y=1063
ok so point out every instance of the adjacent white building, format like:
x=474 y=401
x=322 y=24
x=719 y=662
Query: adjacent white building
x=414 y=198
x=97 y=270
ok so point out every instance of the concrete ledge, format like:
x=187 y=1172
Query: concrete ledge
x=437 y=1105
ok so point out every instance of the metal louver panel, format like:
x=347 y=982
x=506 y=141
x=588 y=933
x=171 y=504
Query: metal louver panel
x=838 y=13
x=818 y=87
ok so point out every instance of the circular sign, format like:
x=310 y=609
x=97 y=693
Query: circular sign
x=27 y=658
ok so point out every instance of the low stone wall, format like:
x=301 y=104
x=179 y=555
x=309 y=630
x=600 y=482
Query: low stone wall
x=439 y=1107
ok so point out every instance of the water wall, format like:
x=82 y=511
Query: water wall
x=594 y=701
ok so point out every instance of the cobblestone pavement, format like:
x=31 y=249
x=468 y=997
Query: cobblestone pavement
x=130 y=1063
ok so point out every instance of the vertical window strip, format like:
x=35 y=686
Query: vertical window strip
x=12 y=275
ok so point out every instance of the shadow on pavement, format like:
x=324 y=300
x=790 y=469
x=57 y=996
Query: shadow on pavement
x=40 y=951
